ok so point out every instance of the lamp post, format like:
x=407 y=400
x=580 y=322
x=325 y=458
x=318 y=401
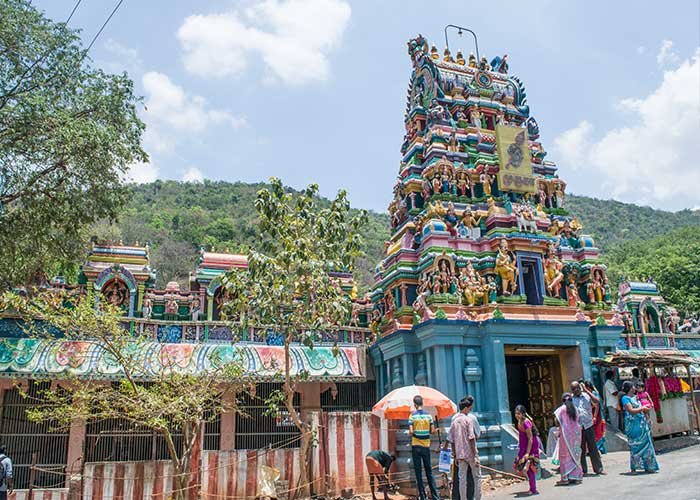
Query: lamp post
x=460 y=30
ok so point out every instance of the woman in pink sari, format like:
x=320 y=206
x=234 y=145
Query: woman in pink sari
x=569 y=442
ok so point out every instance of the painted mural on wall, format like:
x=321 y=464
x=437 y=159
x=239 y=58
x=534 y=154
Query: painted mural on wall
x=54 y=358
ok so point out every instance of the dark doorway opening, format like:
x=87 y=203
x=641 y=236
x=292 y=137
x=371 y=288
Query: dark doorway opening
x=534 y=381
x=531 y=282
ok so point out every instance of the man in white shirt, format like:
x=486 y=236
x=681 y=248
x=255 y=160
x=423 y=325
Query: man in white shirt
x=610 y=395
x=5 y=474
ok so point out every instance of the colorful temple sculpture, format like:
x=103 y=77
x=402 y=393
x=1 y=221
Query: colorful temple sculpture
x=489 y=286
x=206 y=281
x=644 y=311
x=120 y=273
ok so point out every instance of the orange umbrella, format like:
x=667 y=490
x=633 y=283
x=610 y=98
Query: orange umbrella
x=398 y=404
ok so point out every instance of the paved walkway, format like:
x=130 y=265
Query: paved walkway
x=678 y=479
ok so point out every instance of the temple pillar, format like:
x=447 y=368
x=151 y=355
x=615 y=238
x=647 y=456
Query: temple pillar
x=74 y=460
x=403 y=302
x=132 y=302
x=210 y=308
x=202 y=297
x=139 y=296
x=227 y=440
x=310 y=393
x=501 y=382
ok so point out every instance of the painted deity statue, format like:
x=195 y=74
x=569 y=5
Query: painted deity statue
x=194 y=310
x=469 y=224
x=444 y=277
x=451 y=219
x=446 y=179
x=553 y=275
x=436 y=183
x=355 y=314
x=475 y=116
x=572 y=295
x=426 y=190
x=390 y=305
x=465 y=288
x=559 y=196
x=171 y=306
x=486 y=179
x=463 y=183
x=147 y=308
x=492 y=290
x=590 y=291
x=506 y=268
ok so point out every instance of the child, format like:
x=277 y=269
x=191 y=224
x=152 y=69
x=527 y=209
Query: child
x=644 y=399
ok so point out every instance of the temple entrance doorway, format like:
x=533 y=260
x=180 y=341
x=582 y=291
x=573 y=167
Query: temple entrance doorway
x=535 y=379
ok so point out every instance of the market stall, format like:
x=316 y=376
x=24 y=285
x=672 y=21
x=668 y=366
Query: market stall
x=668 y=379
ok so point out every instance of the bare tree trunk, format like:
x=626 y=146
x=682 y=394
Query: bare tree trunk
x=302 y=488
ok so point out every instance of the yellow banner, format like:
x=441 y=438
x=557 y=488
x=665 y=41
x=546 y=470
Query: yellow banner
x=515 y=172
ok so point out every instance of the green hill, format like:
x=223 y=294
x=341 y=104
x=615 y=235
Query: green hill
x=177 y=218
x=611 y=222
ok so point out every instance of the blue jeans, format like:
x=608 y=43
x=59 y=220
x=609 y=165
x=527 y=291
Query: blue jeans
x=421 y=456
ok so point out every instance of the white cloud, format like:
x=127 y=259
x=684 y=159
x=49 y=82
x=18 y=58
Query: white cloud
x=142 y=173
x=122 y=58
x=169 y=104
x=574 y=143
x=655 y=157
x=641 y=50
x=193 y=174
x=292 y=37
x=666 y=55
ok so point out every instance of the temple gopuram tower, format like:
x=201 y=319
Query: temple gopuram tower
x=488 y=286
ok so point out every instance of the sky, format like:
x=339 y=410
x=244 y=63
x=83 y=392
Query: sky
x=314 y=91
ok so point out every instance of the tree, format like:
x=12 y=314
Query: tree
x=173 y=261
x=68 y=133
x=672 y=260
x=290 y=287
x=166 y=399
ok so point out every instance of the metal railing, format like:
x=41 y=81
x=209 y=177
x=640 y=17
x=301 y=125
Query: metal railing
x=208 y=331
x=222 y=331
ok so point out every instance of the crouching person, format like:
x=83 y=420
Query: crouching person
x=378 y=463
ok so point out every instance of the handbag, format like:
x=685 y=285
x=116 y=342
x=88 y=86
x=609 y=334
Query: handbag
x=445 y=461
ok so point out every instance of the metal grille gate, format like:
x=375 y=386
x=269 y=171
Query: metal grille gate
x=117 y=440
x=22 y=438
x=350 y=396
x=255 y=430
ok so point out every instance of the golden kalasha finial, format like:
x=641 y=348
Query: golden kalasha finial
x=460 y=58
x=446 y=56
x=434 y=53
x=472 y=60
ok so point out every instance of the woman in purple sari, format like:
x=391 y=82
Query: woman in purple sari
x=569 y=442
x=528 y=448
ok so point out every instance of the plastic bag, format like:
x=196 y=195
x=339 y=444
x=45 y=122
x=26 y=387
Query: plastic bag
x=445 y=461
x=267 y=476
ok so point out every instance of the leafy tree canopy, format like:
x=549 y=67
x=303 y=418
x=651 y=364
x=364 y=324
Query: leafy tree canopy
x=672 y=260
x=68 y=133
x=289 y=283
x=161 y=398
x=190 y=215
